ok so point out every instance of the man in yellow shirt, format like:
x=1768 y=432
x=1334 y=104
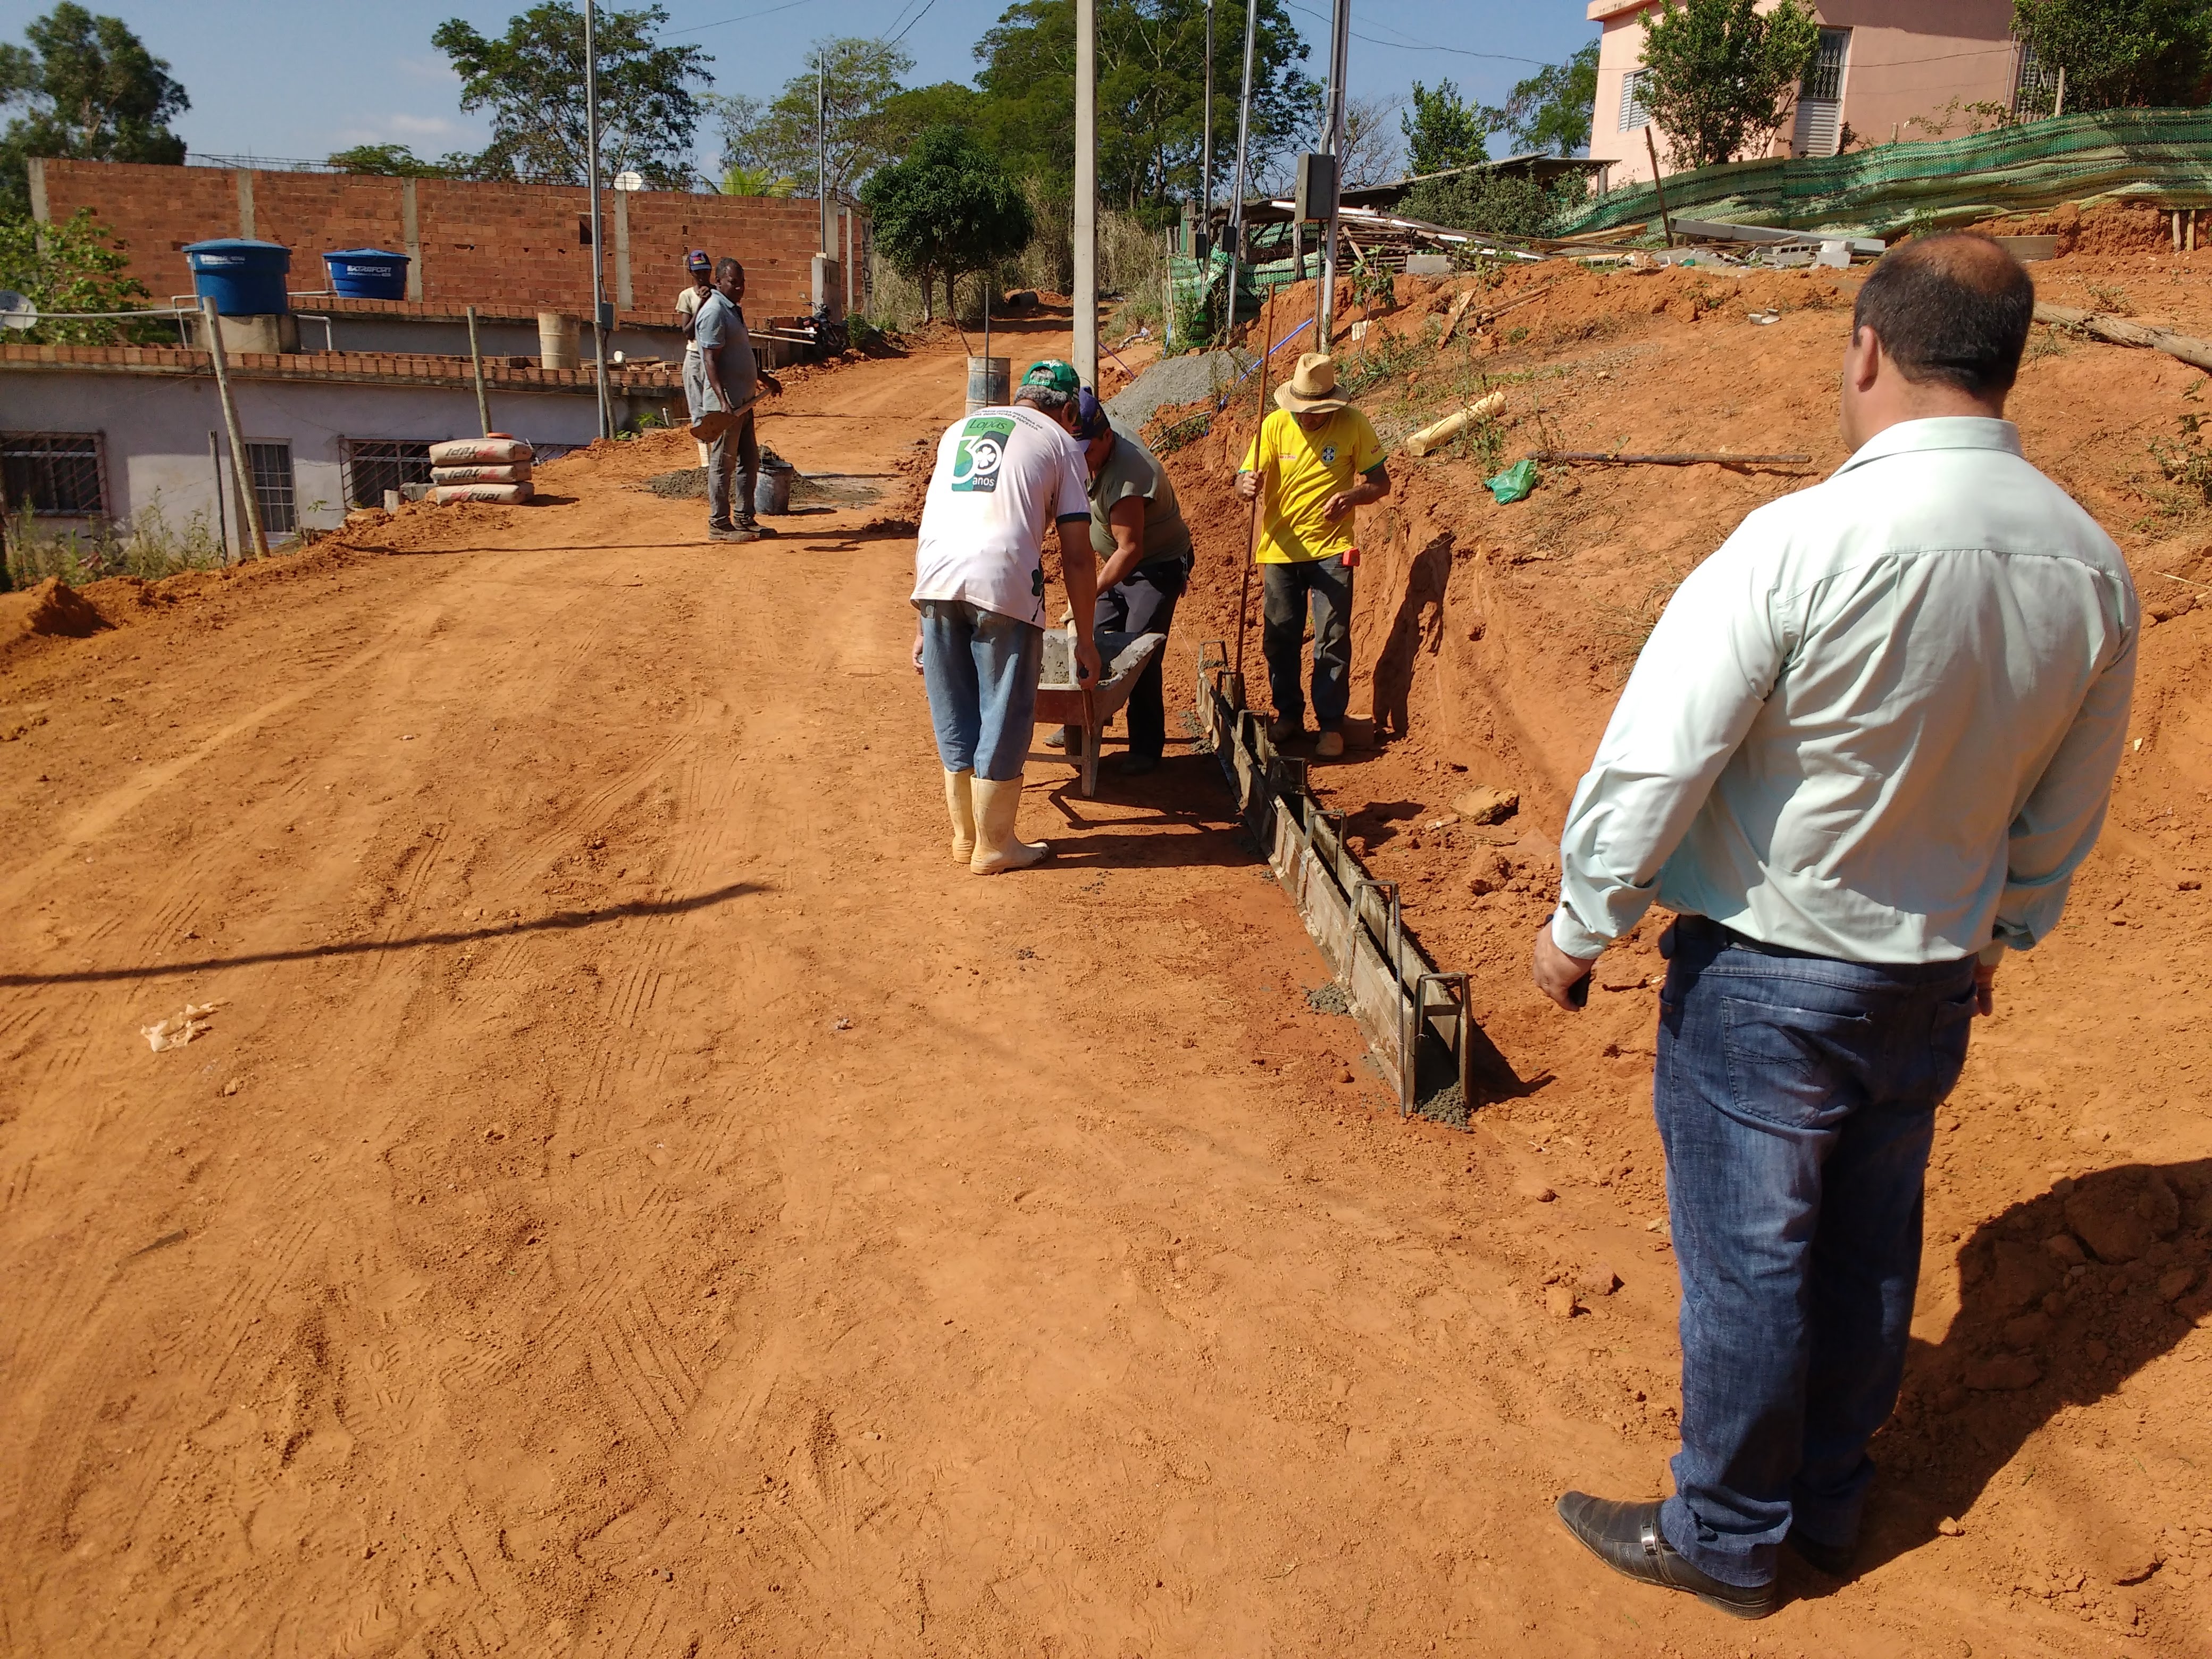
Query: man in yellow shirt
x=1318 y=459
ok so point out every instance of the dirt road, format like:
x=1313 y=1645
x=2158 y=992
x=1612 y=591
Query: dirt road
x=638 y=1197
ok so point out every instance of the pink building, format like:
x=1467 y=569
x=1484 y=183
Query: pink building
x=1883 y=66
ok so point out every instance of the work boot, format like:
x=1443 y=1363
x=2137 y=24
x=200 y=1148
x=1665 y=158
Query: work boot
x=753 y=527
x=1136 y=766
x=1056 y=739
x=997 y=848
x=960 y=803
x=1329 y=745
x=1625 y=1536
x=731 y=533
x=1286 y=729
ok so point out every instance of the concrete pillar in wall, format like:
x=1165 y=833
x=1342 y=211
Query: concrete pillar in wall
x=245 y=178
x=622 y=299
x=410 y=233
x=37 y=169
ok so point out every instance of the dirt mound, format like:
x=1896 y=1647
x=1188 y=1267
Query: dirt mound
x=2111 y=229
x=53 y=609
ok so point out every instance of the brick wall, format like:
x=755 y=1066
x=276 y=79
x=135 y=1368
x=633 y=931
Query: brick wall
x=515 y=246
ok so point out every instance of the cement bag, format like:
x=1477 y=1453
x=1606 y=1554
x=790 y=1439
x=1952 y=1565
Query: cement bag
x=498 y=450
x=511 y=493
x=517 y=473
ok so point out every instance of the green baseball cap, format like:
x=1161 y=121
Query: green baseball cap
x=1054 y=376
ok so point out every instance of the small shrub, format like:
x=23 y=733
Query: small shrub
x=1494 y=203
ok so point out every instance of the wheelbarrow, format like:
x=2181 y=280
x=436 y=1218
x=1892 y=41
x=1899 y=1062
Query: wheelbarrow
x=1062 y=701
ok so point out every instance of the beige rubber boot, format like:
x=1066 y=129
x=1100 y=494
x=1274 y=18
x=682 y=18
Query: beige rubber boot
x=960 y=803
x=997 y=847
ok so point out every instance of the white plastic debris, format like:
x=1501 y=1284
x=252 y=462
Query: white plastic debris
x=180 y=1029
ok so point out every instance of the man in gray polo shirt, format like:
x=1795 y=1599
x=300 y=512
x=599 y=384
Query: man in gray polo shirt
x=721 y=384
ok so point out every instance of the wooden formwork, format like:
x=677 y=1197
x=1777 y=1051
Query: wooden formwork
x=1413 y=1015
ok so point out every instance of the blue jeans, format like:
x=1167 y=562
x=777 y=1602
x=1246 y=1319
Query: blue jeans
x=1796 y=1098
x=980 y=669
x=1287 y=593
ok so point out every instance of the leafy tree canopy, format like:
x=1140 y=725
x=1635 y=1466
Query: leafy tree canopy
x=1550 y=110
x=1443 y=131
x=72 y=266
x=775 y=139
x=740 y=180
x=89 y=90
x=2122 y=52
x=1501 y=204
x=1717 y=71
x=946 y=208
x=399 y=162
x=532 y=80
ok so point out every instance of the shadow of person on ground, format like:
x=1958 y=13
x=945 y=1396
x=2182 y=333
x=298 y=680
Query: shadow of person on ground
x=2064 y=1297
x=1417 y=629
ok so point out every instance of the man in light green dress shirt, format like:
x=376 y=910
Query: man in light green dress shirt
x=1861 y=756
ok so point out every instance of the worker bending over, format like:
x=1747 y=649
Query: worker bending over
x=1137 y=527
x=1006 y=477
x=1318 y=459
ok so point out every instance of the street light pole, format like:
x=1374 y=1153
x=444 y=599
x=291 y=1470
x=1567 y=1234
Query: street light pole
x=1235 y=228
x=1340 y=52
x=591 y=171
x=822 y=139
x=1087 y=191
x=1206 y=143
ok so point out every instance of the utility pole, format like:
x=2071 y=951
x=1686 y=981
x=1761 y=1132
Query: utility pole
x=1236 y=228
x=1332 y=144
x=1205 y=148
x=591 y=170
x=241 y=463
x=822 y=140
x=1087 y=191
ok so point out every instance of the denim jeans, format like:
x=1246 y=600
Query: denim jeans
x=981 y=670
x=1796 y=1098
x=1144 y=602
x=740 y=448
x=1287 y=592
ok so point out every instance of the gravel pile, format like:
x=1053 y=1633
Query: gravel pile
x=1183 y=380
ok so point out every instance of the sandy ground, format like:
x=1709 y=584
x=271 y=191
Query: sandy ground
x=637 y=1196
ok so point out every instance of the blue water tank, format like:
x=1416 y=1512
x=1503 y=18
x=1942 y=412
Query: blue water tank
x=244 y=279
x=368 y=273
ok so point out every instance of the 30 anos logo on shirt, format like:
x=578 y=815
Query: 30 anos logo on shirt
x=980 y=452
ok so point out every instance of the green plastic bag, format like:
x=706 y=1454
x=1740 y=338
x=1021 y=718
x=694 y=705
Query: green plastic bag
x=1517 y=483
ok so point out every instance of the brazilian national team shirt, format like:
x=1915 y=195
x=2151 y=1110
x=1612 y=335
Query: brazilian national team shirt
x=1005 y=476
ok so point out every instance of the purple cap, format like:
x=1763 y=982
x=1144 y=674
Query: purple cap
x=1090 y=416
x=696 y=260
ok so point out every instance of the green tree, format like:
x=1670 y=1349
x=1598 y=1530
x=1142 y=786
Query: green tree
x=1550 y=110
x=859 y=80
x=90 y=91
x=1151 y=94
x=946 y=208
x=2118 y=53
x=72 y=266
x=532 y=80
x=1443 y=131
x=909 y=113
x=1717 y=71
x=740 y=180
x=388 y=162
x=1496 y=204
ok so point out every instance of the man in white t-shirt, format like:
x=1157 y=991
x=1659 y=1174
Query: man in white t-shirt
x=701 y=269
x=1006 y=479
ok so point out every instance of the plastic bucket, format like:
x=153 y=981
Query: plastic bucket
x=368 y=273
x=989 y=382
x=244 y=279
x=772 y=486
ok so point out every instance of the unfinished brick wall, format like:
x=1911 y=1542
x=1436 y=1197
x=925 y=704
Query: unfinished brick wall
x=518 y=246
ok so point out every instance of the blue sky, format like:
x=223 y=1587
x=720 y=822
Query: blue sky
x=276 y=78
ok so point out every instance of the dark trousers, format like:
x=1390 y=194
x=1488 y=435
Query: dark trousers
x=1796 y=1098
x=738 y=446
x=1287 y=593
x=1144 y=602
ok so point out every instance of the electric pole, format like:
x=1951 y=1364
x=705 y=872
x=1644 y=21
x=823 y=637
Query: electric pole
x=591 y=172
x=822 y=139
x=1236 y=228
x=1206 y=147
x=1332 y=144
x=1087 y=191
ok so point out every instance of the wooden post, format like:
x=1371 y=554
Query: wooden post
x=1260 y=496
x=221 y=518
x=241 y=464
x=475 y=359
x=1666 y=223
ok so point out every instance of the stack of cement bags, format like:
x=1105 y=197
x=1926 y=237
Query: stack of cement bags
x=491 y=469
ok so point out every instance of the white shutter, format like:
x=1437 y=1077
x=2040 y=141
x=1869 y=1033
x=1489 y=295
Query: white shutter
x=1632 y=113
x=1820 y=125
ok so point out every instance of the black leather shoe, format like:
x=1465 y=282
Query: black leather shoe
x=1834 y=1560
x=1627 y=1539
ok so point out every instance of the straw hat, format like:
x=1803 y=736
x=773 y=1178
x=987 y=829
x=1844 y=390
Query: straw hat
x=1312 y=390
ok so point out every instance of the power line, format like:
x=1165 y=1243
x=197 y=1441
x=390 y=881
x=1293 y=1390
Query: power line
x=700 y=28
x=917 y=17
x=1419 y=46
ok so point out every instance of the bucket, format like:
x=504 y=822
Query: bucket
x=368 y=273
x=772 y=486
x=989 y=382
x=557 y=340
x=244 y=279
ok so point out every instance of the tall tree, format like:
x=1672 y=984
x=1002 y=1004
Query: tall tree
x=1718 y=72
x=532 y=80
x=73 y=266
x=776 y=139
x=1550 y=110
x=1152 y=92
x=1443 y=131
x=2122 y=52
x=946 y=208
x=89 y=90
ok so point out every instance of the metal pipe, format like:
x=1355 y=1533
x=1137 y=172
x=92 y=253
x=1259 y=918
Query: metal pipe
x=821 y=143
x=1205 y=148
x=221 y=518
x=591 y=172
x=1340 y=52
x=1087 y=191
x=240 y=463
x=1243 y=152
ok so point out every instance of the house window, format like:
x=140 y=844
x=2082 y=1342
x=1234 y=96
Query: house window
x=1632 y=113
x=1820 y=97
x=1825 y=80
x=60 y=475
x=2035 y=93
x=271 y=467
x=374 y=465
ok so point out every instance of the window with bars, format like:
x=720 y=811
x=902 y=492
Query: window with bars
x=1632 y=113
x=2035 y=93
x=59 y=475
x=374 y=465
x=1825 y=80
x=271 y=468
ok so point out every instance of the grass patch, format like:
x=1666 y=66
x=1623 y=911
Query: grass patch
x=146 y=545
